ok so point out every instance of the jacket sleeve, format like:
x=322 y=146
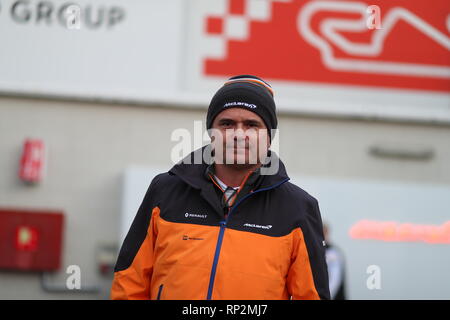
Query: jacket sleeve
x=134 y=266
x=308 y=274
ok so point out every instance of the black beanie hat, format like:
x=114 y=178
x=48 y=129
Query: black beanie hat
x=247 y=92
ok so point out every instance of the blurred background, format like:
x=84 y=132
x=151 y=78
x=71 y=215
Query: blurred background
x=92 y=91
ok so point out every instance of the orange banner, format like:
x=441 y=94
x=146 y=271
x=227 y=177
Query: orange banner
x=401 y=232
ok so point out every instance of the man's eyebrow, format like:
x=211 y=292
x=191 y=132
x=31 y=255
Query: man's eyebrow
x=226 y=120
x=252 y=121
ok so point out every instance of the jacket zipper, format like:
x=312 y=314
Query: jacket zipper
x=158 y=297
x=223 y=225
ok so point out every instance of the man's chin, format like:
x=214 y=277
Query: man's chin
x=240 y=167
x=241 y=162
x=239 y=159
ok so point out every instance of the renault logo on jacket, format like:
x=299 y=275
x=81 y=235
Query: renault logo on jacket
x=195 y=215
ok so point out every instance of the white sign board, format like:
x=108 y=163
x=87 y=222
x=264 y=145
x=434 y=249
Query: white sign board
x=119 y=50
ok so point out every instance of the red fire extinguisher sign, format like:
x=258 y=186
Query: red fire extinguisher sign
x=32 y=161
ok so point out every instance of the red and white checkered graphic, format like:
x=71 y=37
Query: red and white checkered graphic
x=331 y=42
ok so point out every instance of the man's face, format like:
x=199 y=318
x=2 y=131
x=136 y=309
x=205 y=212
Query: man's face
x=240 y=136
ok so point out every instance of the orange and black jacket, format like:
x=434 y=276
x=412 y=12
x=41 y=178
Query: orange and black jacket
x=184 y=244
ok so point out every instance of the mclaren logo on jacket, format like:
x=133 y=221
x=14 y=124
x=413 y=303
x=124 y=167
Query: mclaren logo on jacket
x=182 y=246
x=252 y=225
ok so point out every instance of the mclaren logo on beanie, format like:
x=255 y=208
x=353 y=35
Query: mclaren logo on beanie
x=235 y=104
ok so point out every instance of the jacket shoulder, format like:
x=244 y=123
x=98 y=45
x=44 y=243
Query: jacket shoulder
x=161 y=179
x=298 y=195
x=165 y=180
x=164 y=185
x=298 y=202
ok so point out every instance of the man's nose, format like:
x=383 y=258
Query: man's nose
x=240 y=126
x=240 y=133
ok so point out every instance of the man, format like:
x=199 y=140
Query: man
x=226 y=227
